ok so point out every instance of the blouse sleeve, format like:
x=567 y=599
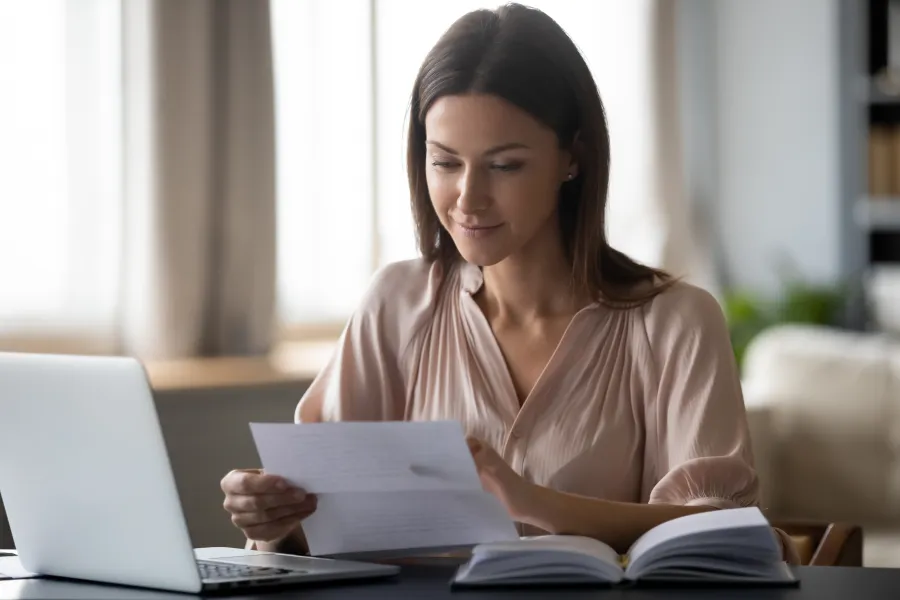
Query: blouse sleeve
x=365 y=379
x=698 y=448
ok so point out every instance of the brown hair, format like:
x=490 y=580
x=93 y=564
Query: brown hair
x=523 y=56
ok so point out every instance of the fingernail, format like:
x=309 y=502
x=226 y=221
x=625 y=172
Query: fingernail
x=281 y=485
x=300 y=495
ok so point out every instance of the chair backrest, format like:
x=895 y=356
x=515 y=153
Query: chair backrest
x=826 y=544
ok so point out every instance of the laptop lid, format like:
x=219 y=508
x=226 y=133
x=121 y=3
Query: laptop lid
x=85 y=475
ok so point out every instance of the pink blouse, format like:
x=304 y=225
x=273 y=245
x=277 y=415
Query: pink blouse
x=640 y=404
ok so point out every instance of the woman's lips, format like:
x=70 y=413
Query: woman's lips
x=477 y=231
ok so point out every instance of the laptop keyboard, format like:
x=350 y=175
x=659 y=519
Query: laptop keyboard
x=213 y=571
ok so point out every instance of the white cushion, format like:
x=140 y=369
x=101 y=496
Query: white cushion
x=881 y=547
x=835 y=421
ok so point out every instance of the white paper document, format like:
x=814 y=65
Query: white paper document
x=384 y=486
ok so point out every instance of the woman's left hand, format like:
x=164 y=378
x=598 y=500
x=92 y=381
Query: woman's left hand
x=498 y=478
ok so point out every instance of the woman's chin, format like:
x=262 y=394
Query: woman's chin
x=481 y=257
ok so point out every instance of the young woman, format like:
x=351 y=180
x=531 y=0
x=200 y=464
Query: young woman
x=601 y=396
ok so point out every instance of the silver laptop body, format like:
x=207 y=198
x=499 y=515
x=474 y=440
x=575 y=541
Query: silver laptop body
x=89 y=490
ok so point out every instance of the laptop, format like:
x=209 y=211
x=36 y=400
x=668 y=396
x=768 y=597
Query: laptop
x=89 y=490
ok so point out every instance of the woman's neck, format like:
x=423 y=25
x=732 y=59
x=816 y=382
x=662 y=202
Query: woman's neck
x=532 y=285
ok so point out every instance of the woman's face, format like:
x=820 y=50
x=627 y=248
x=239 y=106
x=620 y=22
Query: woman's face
x=493 y=174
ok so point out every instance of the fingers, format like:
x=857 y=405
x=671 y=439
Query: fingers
x=265 y=507
x=474 y=444
x=252 y=481
x=234 y=480
x=278 y=528
x=272 y=515
x=236 y=503
x=277 y=523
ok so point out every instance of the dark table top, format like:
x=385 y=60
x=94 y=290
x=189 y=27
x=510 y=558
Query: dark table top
x=430 y=581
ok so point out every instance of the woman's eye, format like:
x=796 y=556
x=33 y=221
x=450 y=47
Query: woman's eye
x=508 y=168
x=441 y=164
x=503 y=167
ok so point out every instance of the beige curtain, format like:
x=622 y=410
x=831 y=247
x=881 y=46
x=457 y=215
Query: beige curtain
x=199 y=264
x=685 y=250
x=652 y=215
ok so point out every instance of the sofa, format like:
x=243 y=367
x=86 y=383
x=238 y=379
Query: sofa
x=824 y=412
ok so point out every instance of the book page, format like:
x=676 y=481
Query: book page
x=556 y=543
x=542 y=559
x=713 y=520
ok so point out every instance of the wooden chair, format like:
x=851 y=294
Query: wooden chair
x=825 y=544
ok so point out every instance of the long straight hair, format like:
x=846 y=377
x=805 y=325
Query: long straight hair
x=523 y=56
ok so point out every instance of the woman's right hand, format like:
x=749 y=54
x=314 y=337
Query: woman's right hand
x=265 y=507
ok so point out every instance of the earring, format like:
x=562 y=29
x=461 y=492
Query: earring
x=571 y=176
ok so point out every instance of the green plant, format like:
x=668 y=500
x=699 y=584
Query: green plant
x=749 y=314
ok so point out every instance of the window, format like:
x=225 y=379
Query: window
x=323 y=87
x=59 y=163
x=343 y=74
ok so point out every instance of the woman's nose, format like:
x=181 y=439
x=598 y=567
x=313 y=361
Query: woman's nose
x=473 y=196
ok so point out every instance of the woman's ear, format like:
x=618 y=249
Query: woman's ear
x=573 y=162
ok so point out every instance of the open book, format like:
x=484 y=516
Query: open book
x=727 y=546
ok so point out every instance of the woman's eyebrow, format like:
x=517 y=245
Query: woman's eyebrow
x=490 y=151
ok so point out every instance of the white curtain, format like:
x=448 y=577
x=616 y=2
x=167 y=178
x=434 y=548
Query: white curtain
x=327 y=246
x=60 y=148
x=686 y=247
x=137 y=163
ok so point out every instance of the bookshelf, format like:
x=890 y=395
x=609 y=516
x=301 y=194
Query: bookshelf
x=877 y=209
x=869 y=51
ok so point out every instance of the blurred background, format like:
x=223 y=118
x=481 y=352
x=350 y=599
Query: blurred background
x=210 y=185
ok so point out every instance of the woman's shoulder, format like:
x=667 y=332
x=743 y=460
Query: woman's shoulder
x=403 y=285
x=400 y=299
x=683 y=309
x=681 y=330
x=681 y=299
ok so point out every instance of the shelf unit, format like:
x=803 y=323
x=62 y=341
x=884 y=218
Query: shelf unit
x=878 y=214
x=870 y=222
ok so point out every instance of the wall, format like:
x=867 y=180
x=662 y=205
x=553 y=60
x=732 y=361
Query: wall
x=207 y=435
x=762 y=133
x=696 y=63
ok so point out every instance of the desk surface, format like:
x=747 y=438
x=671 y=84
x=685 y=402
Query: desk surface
x=819 y=583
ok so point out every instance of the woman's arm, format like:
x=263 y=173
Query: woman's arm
x=618 y=524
